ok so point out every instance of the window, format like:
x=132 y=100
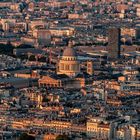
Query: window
x=67 y=67
x=62 y=66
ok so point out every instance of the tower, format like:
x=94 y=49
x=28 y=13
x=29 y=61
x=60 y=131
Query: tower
x=68 y=63
x=114 y=42
x=90 y=67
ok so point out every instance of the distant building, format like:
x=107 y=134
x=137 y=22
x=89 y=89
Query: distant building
x=96 y=128
x=62 y=31
x=128 y=32
x=114 y=42
x=138 y=12
x=16 y=82
x=42 y=35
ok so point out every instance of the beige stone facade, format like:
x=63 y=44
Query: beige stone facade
x=69 y=64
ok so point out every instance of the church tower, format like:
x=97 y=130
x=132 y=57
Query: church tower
x=90 y=67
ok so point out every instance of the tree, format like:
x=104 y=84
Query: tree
x=23 y=56
x=42 y=59
x=32 y=58
x=62 y=137
x=6 y=49
x=45 y=99
x=84 y=134
x=24 y=46
x=25 y=136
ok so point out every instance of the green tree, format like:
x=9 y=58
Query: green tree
x=32 y=58
x=6 y=49
x=25 y=136
x=42 y=59
x=23 y=56
x=62 y=137
x=45 y=99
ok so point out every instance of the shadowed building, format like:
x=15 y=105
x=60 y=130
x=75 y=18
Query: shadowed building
x=138 y=33
x=114 y=42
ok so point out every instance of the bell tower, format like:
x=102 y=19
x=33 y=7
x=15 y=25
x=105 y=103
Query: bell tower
x=90 y=67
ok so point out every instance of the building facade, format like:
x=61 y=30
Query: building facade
x=114 y=42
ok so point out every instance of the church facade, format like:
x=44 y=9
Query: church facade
x=68 y=74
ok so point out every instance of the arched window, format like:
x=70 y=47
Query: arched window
x=62 y=66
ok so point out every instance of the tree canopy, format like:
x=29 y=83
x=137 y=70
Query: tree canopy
x=6 y=49
x=25 y=46
x=25 y=136
x=62 y=137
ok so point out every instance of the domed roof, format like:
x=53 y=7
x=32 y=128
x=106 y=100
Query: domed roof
x=69 y=51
